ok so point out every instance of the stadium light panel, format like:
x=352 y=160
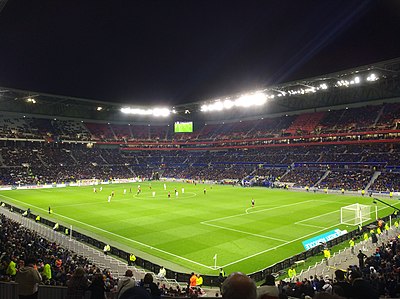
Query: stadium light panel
x=204 y=108
x=323 y=86
x=244 y=101
x=158 y=112
x=228 y=104
x=31 y=100
x=372 y=77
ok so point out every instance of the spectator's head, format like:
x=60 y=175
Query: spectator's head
x=269 y=280
x=30 y=261
x=135 y=293
x=238 y=286
x=354 y=275
x=339 y=275
x=148 y=278
x=128 y=273
x=79 y=272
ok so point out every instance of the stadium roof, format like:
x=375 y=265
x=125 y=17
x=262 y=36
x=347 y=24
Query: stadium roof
x=378 y=81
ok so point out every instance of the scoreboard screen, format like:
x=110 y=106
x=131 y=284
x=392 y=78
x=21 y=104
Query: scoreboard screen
x=183 y=127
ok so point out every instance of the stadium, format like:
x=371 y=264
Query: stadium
x=186 y=149
x=235 y=183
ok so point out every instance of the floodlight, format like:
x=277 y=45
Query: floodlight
x=155 y=112
x=372 y=77
x=323 y=86
x=228 y=104
x=217 y=106
x=31 y=100
x=99 y=108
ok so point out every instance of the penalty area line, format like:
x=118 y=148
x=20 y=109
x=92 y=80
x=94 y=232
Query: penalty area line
x=244 y=232
x=287 y=243
x=258 y=211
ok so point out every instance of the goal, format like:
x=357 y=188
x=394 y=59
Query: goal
x=355 y=214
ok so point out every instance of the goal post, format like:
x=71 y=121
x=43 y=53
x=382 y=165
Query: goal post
x=355 y=214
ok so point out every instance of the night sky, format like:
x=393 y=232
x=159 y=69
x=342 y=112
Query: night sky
x=172 y=52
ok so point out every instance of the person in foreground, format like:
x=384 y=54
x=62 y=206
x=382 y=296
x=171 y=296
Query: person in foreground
x=28 y=279
x=268 y=290
x=238 y=286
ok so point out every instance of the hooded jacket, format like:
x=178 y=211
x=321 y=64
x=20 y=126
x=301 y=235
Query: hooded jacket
x=28 y=279
x=124 y=284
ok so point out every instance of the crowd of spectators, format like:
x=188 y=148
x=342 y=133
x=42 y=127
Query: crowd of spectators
x=346 y=179
x=23 y=163
x=387 y=182
x=376 y=276
x=303 y=176
x=35 y=163
x=365 y=118
x=55 y=264
x=23 y=250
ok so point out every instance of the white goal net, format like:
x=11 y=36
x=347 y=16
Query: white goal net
x=355 y=214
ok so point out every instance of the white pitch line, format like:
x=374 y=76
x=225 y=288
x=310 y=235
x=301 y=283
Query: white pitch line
x=310 y=225
x=258 y=211
x=304 y=220
x=284 y=244
x=276 y=247
x=244 y=232
x=114 y=234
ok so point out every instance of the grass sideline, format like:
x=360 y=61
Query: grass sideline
x=201 y=222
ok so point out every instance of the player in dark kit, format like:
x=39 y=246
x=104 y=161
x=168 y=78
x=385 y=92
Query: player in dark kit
x=252 y=203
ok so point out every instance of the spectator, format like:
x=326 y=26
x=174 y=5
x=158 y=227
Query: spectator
x=342 y=287
x=97 y=287
x=362 y=289
x=150 y=286
x=77 y=285
x=125 y=283
x=135 y=293
x=239 y=286
x=28 y=279
x=268 y=290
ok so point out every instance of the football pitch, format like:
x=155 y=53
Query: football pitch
x=205 y=225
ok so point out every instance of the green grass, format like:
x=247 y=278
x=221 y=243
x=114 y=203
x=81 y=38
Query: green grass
x=185 y=233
